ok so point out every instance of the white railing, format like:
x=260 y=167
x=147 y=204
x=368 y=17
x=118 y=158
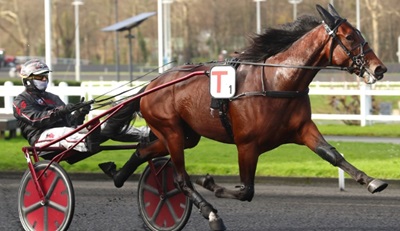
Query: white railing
x=388 y=85
x=91 y=90
x=363 y=91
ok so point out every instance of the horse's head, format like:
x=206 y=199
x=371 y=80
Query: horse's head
x=349 y=48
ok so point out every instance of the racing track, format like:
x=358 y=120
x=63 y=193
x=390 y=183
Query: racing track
x=279 y=205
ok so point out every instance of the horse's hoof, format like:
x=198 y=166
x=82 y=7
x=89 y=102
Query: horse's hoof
x=200 y=181
x=376 y=186
x=207 y=182
x=217 y=224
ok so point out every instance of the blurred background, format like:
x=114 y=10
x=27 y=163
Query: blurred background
x=201 y=30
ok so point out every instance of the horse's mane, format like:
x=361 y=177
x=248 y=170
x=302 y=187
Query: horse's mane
x=276 y=40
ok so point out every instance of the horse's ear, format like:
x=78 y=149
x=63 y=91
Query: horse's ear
x=333 y=11
x=326 y=16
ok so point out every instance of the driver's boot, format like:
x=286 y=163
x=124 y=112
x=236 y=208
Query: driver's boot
x=120 y=176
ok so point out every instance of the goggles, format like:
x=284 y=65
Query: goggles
x=39 y=77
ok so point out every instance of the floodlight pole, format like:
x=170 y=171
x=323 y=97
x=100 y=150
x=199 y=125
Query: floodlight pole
x=398 y=48
x=258 y=15
x=295 y=2
x=116 y=43
x=160 y=36
x=130 y=37
x=167 y=33
x=77 y=3
x=47 y=22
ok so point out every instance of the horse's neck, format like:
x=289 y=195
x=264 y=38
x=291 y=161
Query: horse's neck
x=307 y=51
x=313 y=46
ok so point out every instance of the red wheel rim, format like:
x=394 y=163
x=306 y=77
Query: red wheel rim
x=51 y=214
x=167 y=209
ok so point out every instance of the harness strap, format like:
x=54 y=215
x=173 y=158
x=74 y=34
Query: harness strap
x=223 y=116
x=273 y=94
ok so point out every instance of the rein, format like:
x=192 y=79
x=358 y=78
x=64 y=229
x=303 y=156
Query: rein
x=291 y=66
x=280 y=94
x=109 y=101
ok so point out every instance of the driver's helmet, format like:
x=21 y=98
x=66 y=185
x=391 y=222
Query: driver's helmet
x=32 y=68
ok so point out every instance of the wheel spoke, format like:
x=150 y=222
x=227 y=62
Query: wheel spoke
x=172 y=211
x=150 y=188
x=172 y=193
x=58 y=207
x=52 y=186
x=157 y=210
x=46 y=218
x=164 y=180
x=31 y=208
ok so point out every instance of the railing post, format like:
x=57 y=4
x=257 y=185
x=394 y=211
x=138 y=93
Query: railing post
x=8 y=99
x=63 y=93
x=365 y=103
x=341 y=178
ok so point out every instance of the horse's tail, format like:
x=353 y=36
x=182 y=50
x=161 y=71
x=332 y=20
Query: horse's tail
x=120 y=122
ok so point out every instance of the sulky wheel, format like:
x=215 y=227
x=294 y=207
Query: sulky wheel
x=55 y=212
x=169 y=210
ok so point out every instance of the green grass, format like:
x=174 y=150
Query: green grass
x=379 y=160
x=384 y=130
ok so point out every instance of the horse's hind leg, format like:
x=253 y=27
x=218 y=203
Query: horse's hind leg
x=205 y=208
x=245 y=193
x=140 y=156
x=183 y=182
x=248 y=159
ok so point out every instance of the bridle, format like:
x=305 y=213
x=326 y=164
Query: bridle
x=359 y=59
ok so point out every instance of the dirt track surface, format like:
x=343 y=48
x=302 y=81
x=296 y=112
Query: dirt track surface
x=278 y=205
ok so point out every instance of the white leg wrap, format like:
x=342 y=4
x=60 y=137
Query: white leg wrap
x=212 y=217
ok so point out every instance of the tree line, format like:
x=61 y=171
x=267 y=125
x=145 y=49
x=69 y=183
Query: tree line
x=200 y=29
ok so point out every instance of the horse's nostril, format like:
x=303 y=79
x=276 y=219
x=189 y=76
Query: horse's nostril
x=380 y=70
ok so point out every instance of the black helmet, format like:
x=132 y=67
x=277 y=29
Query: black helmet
x=31 y=68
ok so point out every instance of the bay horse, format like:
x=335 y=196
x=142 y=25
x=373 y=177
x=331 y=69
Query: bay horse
x=271 y=106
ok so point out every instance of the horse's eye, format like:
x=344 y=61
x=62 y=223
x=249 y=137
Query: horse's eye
x=350 y=38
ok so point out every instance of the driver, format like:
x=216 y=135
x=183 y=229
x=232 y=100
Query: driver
x=43 y=116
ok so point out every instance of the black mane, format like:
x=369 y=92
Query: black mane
x=276 y=40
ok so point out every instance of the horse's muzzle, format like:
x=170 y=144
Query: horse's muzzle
x=379 y=71
x=370 y=76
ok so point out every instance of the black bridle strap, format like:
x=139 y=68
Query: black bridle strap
x=332 y=34
x=358 y=60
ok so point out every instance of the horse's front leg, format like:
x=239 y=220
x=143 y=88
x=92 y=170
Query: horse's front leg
x=314 y=140
x=248 y=158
